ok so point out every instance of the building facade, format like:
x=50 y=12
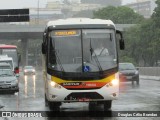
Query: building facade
x=103 y=2
x=143 y=7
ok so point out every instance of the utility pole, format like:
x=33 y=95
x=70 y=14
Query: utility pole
x=38 y=13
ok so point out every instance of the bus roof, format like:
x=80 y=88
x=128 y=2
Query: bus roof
x=78 y=21
x=7 y=46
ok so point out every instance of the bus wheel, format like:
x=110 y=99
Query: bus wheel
x=92 y=106
x=107 y=105
x=54 y=106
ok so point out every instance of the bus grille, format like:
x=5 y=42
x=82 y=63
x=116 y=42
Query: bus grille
x=79 y=95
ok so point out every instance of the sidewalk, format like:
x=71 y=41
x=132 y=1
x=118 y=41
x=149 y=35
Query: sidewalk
x=150 y=77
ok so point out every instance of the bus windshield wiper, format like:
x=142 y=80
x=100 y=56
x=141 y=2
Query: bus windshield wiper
x=58 y=59
x=96 y=58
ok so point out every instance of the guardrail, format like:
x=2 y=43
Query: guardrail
x=149 y=71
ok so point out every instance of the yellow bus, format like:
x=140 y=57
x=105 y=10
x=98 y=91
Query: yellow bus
x=80 y=62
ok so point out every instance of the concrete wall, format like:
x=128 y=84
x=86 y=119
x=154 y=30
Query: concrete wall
x=151 y=71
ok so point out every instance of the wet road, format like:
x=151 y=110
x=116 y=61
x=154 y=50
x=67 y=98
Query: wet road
x=145 y=97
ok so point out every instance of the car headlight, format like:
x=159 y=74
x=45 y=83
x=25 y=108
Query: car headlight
x=33 y=70
x=14 y=81
x=136 y=72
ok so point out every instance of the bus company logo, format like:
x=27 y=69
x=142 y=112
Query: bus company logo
x=88 y=84
x=71 y=84
x=83 y=84
x=6 y=114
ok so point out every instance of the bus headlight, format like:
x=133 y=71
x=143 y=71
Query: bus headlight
x=114 y=82
x=55 y=85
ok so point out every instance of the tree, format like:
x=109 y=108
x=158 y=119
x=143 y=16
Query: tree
x=142 y=44
x=156 y=14
x=132 y=50
x=156 y=31
x=119 y=15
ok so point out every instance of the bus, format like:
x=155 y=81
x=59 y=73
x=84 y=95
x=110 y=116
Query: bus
x=72 y=71
x=11 y=51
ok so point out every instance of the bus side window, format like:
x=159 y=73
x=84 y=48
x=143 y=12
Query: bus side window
x=52 y=57
x=44 y=43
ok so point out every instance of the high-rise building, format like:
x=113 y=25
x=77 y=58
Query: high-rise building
x=73 y=7
x=141 y=0
x=103 y=2
x=143 y=7
x=73 y=1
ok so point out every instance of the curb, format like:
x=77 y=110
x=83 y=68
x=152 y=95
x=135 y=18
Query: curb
x=157 y=78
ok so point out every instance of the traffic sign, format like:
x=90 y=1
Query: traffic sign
x=14 y=15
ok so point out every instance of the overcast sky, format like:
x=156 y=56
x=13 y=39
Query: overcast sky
x=11 y=4
x=14 y=4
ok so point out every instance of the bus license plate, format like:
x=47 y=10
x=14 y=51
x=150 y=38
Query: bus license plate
x=129 y=77
x=84 y=99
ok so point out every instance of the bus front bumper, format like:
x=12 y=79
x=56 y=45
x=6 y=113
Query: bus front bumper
x=63 y=95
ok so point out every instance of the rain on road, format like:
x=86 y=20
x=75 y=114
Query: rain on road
x=144 y=97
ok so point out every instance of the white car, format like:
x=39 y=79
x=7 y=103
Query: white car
x=29 y=70
x=8 y=79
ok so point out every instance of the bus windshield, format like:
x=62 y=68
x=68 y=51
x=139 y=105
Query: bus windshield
x=11 y=53
x=72 y=51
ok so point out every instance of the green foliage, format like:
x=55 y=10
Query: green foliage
x=143 y=40
x=119 y=15
x=142 y=43
x=156 y=14
x=133 y=48
x=127 y=59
